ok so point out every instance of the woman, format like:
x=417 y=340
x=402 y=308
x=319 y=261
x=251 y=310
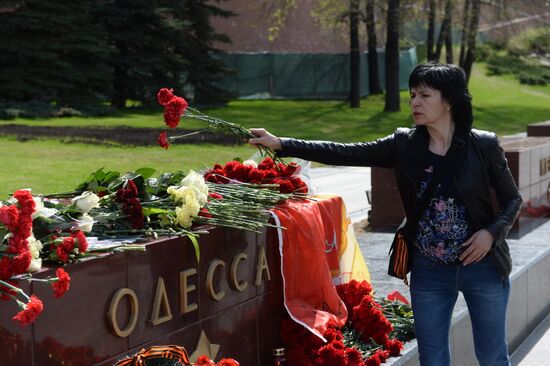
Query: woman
x=459 y=242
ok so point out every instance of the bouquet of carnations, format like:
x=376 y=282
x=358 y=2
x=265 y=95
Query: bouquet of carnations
x=268 y=173
x=109 y=205
x=20 y=255
x=176 y=107
x=374 y=332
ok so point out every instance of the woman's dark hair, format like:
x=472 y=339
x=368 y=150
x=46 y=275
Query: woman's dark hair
x=450 y=80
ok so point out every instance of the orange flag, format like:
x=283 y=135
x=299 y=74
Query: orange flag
x=310 y=296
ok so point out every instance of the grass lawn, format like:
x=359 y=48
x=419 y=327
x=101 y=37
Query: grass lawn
x=49 y=166
x=501 y=104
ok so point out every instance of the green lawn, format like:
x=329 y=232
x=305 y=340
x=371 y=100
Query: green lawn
x=49 y=166
x=501 y=104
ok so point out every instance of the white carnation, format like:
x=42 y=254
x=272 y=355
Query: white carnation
x=250 y=162
x=36 y=265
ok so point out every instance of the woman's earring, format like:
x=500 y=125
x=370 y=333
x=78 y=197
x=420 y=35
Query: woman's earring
x=448 y=108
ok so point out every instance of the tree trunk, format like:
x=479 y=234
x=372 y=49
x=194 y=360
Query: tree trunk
x=444 y=32
x=471 y=41
x=449 y=33
x=374 y=79
x=464 y=32
x=392 y=57
x=355 y=86
x=431 y=30
x=118 y=98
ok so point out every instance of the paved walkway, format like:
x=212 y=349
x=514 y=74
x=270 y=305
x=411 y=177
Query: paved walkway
x=352 y=183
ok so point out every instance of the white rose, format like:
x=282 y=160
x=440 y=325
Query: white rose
x=85 y=223
x=86 y=201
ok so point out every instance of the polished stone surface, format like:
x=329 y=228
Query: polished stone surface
x=76 y=330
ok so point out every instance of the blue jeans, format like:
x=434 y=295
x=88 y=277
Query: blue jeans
x=434 y=290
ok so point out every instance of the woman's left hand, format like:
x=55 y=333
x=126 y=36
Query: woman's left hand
x=478 y=245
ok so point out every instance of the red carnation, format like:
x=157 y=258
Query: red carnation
x=21 y=262
x=165 y=95
x=394 y=347
x=81 y=241
x=163 y=140
x=62 y=254
x=354 y=357
x=6 y=270
x=397 y=296
x=205 y=213
x=289 y=170
x=173 y=110
x=68 y=243
x=32 y=310
x=131 y=188
x=266 y=164
x=215 y=196
x=25 y=200
x=285 y=186
x=9 y=216
x=204 y=361
x=227 y=362
x=62 y=284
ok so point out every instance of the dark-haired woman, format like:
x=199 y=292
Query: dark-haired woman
x=458 y=241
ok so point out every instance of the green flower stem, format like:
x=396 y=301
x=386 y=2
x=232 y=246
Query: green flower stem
x=16 y=289
x=235 y=129
x=62 y=194
x=178 y=137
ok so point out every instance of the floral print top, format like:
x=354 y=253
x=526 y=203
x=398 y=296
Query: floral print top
x=445 y=225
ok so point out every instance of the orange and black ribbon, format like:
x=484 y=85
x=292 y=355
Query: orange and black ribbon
x=176 y=353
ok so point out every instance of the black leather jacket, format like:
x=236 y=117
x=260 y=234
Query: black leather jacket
x=483 y=165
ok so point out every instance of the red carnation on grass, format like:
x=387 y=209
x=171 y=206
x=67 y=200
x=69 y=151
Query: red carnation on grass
x=163 y=140
x=165 y=95
x=31 y=311
x=173 y=110
x=62 y=284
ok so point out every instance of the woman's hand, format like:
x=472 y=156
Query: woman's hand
x=478 y=245
x=264 y=138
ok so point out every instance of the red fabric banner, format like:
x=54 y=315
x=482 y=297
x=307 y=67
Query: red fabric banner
x=310 y=241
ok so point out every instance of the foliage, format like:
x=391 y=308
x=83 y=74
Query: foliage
x=42 y=109
x=527 y=71
x=85 y=53
x=534 y=41
x=202 y=67
x=53 y=51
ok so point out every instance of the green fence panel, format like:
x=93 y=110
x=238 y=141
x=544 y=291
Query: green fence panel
x=302 y=76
